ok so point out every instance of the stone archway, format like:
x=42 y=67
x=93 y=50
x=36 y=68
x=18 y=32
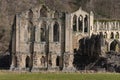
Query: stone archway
x=86 y=23
x=27 y=62
x=115 y=46
x=56 y=32
x=43 y=31
x=105 y=35
x=58 y=61
x=74 y=23
x=42 y=61
x=117 y=35
x=30 y=15
x=43 y=11
x=112 y=35
x=80 y=23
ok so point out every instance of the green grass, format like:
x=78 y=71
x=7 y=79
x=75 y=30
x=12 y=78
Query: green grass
x=58 y=76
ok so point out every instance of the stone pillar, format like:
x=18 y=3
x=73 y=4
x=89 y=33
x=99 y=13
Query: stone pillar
x=52 y=63
x=39 y=62
x=83 y=25
x=68 y=62
x=115 y=25
x=97 y=27
x=113 y=35
x=77 y=24
x=35 y=60
x=17 y=64
x=118 y=26
x=109 y=46
x=53 y=57
x=37 y=34
x=12 y=66
x=71 y=58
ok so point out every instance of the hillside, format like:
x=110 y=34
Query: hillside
x=8 y=8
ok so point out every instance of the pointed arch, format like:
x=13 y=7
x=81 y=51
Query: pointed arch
x=58 y=61
x=113 y=25
x=56 y=14
x=105 y=35
x=43 y=31
x=43 y=11
x=56 y=32
x=115 y=46
x=80 y=23
x=30 y=25
x=112 y=35
x=117 y=35
x=74 y=23
x=30 y=14
x=86 y=23
x=30 y=31
x=27 y=62
x=42 y=61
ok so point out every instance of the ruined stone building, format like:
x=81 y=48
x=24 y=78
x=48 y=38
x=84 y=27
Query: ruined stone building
x=46 y=39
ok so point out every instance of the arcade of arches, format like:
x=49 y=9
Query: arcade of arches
x=46 y=39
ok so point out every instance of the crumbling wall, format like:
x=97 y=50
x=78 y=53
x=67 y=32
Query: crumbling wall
x=89 y=52
x=89 y=55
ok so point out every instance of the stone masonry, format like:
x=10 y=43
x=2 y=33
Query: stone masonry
x=46 y=39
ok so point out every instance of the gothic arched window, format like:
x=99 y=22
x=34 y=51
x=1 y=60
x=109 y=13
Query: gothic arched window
x=43 y=12
x=42 y=61
x=56 y=32
x=117 y=35
x=30 y=31
x=112 y=35
x=30 y=14
x=105 y=35
x=56 y=14
x=58 y=61
x=27 y=62
x=75 y=23
x=80 y=23
x=43 y=31
x=86 y=24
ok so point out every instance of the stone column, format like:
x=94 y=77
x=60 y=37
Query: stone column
x=52 y=63
x=68 y=62
x=71 y=60
x=44 y=64
x=118 y=26
x=12 y=66
x=97 y=26
x=77 y=24
x=19 y=62
x=35 y=58
x=109 y=46
x=113 y=35
x=83 y=25
x=53 y=60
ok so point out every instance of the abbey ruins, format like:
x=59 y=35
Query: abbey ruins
x=45 y=39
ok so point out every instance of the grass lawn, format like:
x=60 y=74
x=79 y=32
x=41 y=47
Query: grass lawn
x=58 y=76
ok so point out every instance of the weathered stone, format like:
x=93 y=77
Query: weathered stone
x=50 y=40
